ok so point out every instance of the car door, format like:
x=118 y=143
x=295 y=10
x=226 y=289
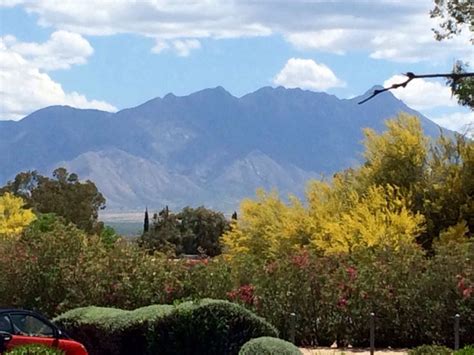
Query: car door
x=28 y=329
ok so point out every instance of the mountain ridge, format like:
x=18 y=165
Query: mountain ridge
x=208 y=147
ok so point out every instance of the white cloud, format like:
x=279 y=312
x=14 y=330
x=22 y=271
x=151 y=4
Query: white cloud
x=182 y=47
x=462 y=122
x=61 y=51
x=422 y=94
x=307 y=74
x=431 y=96
x=25 y=88
x=336 y=40
x=160 y=46
x=387 y=29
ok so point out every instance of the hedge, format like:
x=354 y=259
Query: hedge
x=34 y=349
x=204 y=327
x=269 y=346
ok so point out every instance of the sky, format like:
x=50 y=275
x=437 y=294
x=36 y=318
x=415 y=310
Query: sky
x=111 y=55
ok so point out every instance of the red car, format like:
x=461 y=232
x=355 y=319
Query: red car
x=22 y=327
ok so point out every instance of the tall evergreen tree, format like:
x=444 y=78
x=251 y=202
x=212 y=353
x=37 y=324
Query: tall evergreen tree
x=146 y=222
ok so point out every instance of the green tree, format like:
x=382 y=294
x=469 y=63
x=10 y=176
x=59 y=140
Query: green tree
x=456 y=16
x=201 y=229
x=191 y=231
x=77 y=202
x=163 y=234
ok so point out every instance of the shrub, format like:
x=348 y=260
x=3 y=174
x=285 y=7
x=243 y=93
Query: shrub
x=112 y=331
x=467 y=350
x=269 y=346
x=208 y=327
x=34 y=349
x=430 y=350
x=204 y=327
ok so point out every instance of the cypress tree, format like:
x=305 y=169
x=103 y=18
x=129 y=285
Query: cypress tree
x=146 y=222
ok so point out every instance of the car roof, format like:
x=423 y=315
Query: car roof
x=11 y=310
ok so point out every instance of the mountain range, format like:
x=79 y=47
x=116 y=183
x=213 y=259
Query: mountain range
x=208 y=148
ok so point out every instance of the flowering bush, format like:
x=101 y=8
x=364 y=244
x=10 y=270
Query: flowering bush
x=414 y=297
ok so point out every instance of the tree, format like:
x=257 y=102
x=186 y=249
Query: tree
x=75 y=201
x=408 y=190
x=13 y=216
x=456 y=16
x=192 y=231
x=146 y=222
x=201 y=229
x=268 y=228
x=397 y=156
x=163 y=235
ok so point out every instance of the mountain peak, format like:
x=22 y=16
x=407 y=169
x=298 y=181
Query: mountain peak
x=387 y=95
x=217 y=91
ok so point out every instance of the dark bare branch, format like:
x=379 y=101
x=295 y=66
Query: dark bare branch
x=410 y=76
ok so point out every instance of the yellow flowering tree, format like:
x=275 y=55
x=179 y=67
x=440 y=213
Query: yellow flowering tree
x=13 y=216
x=380 y=217
x=267 y=227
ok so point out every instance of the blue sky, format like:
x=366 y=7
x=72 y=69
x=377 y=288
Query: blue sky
x=116 y=54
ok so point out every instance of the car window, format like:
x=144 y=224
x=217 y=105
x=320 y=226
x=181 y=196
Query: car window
x=25 y=324
x=5 y=324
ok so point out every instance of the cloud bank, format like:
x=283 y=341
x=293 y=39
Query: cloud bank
x=386 y=29
x=24 y=84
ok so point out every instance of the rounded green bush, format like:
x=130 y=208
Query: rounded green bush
x=112 y=331
x=430 y=350
x=269 y=346
x=204 y=327
x=34 y=349
x=208 y=327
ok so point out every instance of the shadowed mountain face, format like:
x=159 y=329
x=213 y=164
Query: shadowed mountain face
x=205 y=148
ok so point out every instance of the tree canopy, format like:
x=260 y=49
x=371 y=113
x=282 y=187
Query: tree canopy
x=409 y=191
x=64 y=195
x=191 y=231
x=455 y=17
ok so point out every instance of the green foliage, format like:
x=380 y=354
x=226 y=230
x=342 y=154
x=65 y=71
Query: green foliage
x=210 y=327
x=60 y=267
x=192 y=231
x=414 y=298
x=34 y=349
x=455 y=16
x=462 y=88
x=64 y=195
x=112 y=331
x=430 y=350
x=467 y=350
x=108 y=235
x=205 y=327
x=269 y=346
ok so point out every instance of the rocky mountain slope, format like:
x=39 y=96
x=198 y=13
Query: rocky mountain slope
x=206 y=148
